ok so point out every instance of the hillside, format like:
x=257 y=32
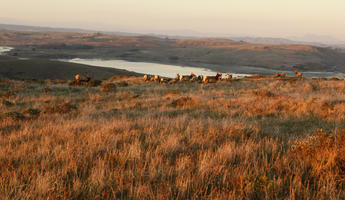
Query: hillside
x=264 y=138
x=216 y=54
x=46 y=69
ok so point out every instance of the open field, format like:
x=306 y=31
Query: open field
x=215 y=54
x=262 y=138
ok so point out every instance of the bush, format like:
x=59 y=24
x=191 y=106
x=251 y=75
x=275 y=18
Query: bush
x=94 y=83
x=183 y=102
x=60 y=108
x=32 y=112
x=7 y=103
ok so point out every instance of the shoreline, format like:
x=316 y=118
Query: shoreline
x=235 y=69
x=240 y=70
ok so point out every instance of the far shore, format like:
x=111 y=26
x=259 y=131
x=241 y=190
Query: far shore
x=235 y=69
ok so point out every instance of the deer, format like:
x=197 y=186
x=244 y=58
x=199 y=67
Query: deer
x=283 y=74
x=298 y=74
x=83 y=81
x=186 y=77
x=210 y=79
x=228 y=77
x=147 y=77
x=156 y=78
x=77 y=79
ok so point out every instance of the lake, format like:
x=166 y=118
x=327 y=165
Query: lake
x=147 y=68
x=166 y=70
x=5 y=49
x=171 y=70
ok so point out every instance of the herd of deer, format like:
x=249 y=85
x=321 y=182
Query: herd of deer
x=192 y=78
x=202 y=79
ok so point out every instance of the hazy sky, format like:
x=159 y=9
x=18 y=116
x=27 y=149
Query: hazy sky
x=241 y=17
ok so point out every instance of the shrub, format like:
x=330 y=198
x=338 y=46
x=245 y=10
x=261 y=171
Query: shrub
x=32 y=112
x=94 y=83
x=60 y=108
x=13 y=115
x=183 y=102
x=7 y=103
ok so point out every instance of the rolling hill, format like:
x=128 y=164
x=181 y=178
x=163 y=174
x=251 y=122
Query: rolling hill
x=214 y=53
x=47 y=69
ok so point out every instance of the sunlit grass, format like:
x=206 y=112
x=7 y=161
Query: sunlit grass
x=244 y=139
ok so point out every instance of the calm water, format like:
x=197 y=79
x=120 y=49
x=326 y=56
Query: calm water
x=5 y=49
x=147 y=68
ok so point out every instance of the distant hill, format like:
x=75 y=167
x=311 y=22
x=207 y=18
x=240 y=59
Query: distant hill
x=318 y=39
x=268 y=40
x=38 y=28
x=12 y=27
x=41 y=69
x=213 y=53
x=188 y=34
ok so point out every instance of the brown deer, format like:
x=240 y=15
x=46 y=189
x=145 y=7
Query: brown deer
x=156 y=78
x=77 y=79
x=283 y=74
x=298 y=74
x=187 y=77
x=165 y=80
x=147 y=77
x=83 y=81
x=210 y=79
x=228 y=77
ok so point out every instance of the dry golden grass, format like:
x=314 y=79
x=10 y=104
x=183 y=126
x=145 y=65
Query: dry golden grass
x=243 y=139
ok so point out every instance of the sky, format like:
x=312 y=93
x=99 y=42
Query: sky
x=260 y=18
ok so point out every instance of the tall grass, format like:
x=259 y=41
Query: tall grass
x=246 y=139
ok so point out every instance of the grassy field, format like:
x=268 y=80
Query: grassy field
x=128 y=139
